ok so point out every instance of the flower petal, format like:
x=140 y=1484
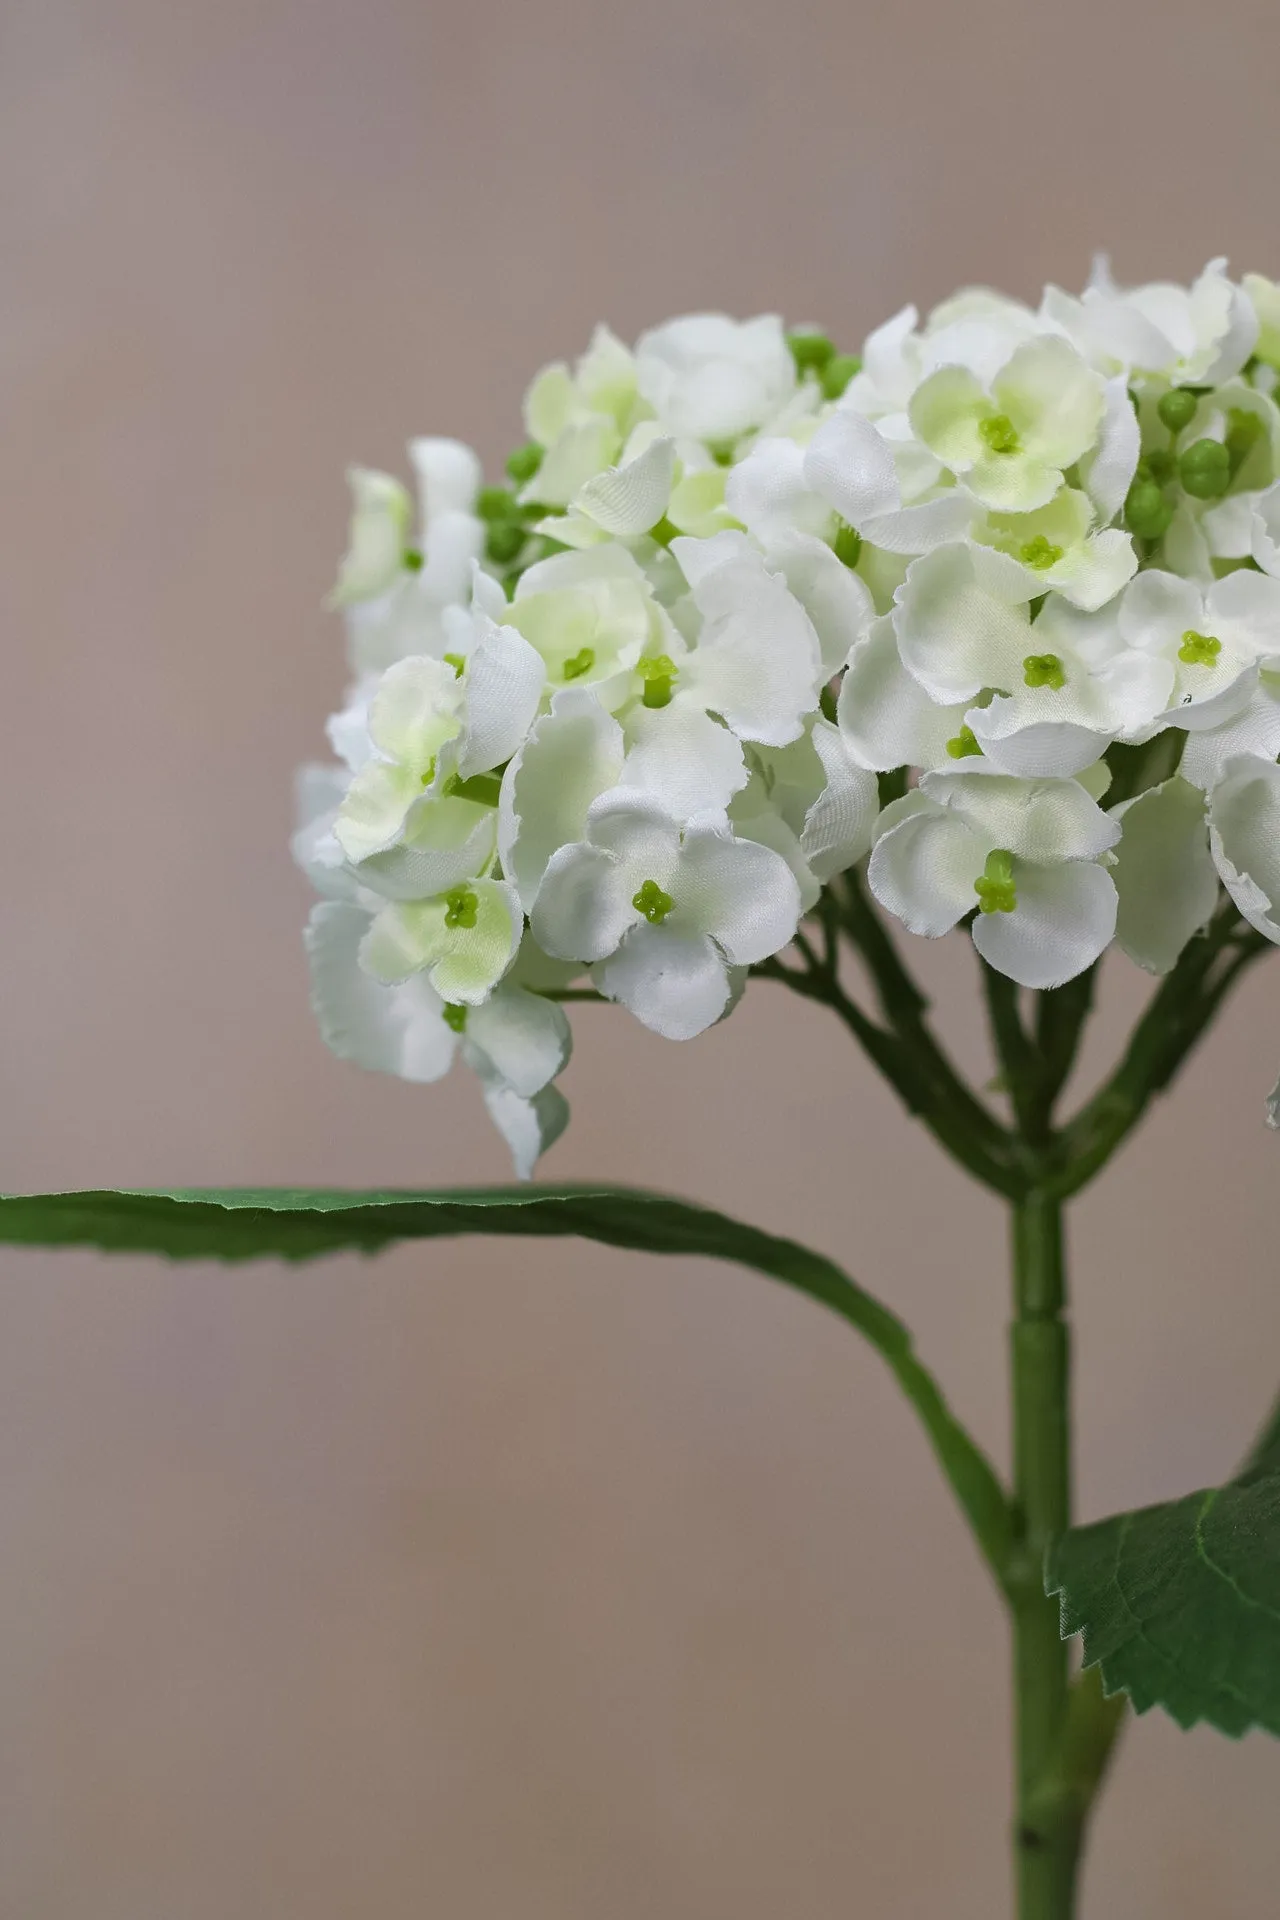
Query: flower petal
x=1244 y=835
x=686 y=758
x=629 y=499
x=850 y=466
x=1065 y=918
x=391 y=1029
x=674 y=983
x=1164 y=874
x=520 y=1038
x=884 y=713
x=740 y=892
x=529 y=1127
x=573 y=754
x=923 y=868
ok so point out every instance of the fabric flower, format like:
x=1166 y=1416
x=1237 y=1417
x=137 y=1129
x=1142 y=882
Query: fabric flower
x=661 y=914
x=713 y=379
x=1023 y=853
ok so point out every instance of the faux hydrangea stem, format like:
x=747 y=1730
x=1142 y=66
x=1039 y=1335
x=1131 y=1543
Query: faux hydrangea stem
x=1048 y=1818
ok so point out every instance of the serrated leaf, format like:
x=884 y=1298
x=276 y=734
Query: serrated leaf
x=1179 y=1604
x=295 y=1224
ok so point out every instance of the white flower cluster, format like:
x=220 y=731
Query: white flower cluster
x=994 y=607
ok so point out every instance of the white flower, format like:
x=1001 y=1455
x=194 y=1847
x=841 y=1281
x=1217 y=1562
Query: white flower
x=753 y=676
x=1011 y=443
x=660 y=914
x=1196 y=335
x=851 y=466
x=813 y=803
x=463 y=939
x=590 y=615
x=573 y=754
x=393 y=591
x=579 y=420
x=1022 y=852
x=435 y=725
x=1062 y=685
x=1164 y=873
x=1060 y=551
x=1244 y=835
x=713 y=379
x=886 y=716
x=516 y=1041
x=1255 y=729
x=1212 y=637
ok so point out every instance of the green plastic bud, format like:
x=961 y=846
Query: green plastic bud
x=653 y=903
x=658 y=677
x=838 y=372
x=1205 y=469
x=810 y=349
x=1146 y=511
x=1244 y=430
x=1177 y=408
x=580 y=664
x=506 y=540
x=413 y=561
x=1158 y=464
x=496 y=503
x=847 y=544
x=461 y=907
x=964 y=746
x=996 y=888
x=524 y=462
x=1044 y=670
x=454 y=1016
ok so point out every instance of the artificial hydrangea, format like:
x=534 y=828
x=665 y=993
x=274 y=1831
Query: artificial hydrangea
x=751 y=612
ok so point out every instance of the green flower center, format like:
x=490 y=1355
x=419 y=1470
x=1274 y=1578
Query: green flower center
x=1040 y=553
x=653 y=903
x=1044 y=670
x=457 y=661
x=579 y=663
x=999 y=434
x=659 y=676
x=964 y=745
x=412 y=560
x=1199 y=649
x=461 y=906
x=455 y=1017
x=994 y=886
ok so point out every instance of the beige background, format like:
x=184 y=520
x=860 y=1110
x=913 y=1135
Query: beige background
x=488 y=1582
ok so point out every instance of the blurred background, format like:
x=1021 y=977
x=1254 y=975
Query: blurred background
x=492 y=1580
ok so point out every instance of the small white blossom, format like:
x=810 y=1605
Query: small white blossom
x=711 y=378
x=660 y=913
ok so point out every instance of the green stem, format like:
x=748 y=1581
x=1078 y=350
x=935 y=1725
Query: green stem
x=1048 y=1823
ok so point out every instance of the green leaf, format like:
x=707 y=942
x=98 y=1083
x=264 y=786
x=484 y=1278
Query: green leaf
x=1179 y=1604
x=289 y=1224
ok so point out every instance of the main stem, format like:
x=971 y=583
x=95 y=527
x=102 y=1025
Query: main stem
x=1048 y=1818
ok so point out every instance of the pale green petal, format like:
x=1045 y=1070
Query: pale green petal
x=519 y=1038
x=1012 y=482
x=574 y=457
x=549 y=404
x=947 y=410
x=1054 y=400
x=462 y=963
x=381 y=521
x=415 y=710
x=697 y=503
x=374 y=810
